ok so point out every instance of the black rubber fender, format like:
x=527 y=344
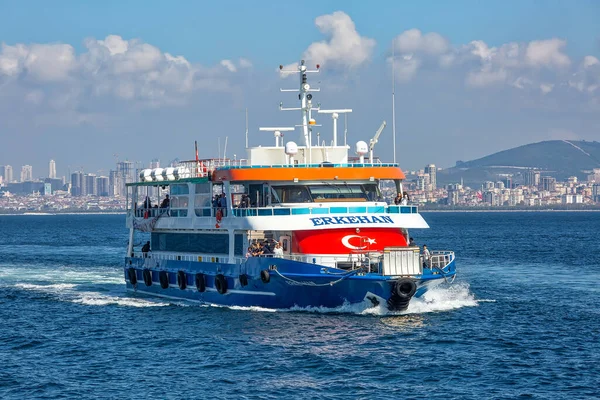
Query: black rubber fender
x=147 y=277
x=132 y=275
x=265 y=277
x=221 y=284
x=200 y=282
x=163 y=277
x=405 y=288
x=244 y=280
x=181 y=280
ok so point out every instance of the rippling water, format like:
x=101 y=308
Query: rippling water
x=521 y=320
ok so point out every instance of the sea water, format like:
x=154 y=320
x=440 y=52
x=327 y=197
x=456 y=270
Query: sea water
x=522 y=320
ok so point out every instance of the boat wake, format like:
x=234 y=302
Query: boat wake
x=104 y=289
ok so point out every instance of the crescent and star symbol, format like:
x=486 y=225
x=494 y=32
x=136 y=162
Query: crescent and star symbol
x=346 y=242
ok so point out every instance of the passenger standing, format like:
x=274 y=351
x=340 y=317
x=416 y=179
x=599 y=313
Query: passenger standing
x=146 y=249
x=278 y=250
x=412 y=243
x=398 y=199
x=165 y=203
x=223 y=204
x=426 y=257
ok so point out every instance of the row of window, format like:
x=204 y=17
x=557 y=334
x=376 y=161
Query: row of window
x=205 y=243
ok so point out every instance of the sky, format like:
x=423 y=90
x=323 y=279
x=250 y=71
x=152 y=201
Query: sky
x=90 y=83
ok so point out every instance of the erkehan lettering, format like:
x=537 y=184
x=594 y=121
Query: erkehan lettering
x=362 y=219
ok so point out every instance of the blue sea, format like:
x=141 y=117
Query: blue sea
x=522 y=320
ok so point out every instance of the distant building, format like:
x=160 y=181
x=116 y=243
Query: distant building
x=77 y=184
x=548 y=183
x=52 y=170
x=596 y=193
x=453 y=191
x=430 y=170
x=572 y=199
x=595 y=176
x=422 y=182
x=102 y=185
x=532 y=178
x=91 y=188
x=6 y=173
x=26 y=173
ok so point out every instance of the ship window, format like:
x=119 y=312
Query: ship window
x=207 y=243
x=179 y=201
x=202 y=200
x=291 y=194
x=338 y=192
x=179 y=189
x=203 y=188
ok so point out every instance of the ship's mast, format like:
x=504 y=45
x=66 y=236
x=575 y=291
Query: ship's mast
x=306 y=106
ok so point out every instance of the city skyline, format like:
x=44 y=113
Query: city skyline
x=471 y=78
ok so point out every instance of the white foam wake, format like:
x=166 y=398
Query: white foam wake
x=443 y=299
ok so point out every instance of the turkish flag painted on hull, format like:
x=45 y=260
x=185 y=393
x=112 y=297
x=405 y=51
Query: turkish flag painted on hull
x=344 y=241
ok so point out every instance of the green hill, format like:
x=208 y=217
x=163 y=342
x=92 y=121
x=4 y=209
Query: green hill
x=558 y=158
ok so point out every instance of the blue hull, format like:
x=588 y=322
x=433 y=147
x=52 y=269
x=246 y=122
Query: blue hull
x=289 y=284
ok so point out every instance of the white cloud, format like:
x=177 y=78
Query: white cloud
x=126 y=69
x=228 y=65
x=46 y=63
x=345 y=47
x=589 y=61
x=531 y=65
x=412 y=41
x=546 y=87
x=245 y=63
x=547 y=53
x=486 y=77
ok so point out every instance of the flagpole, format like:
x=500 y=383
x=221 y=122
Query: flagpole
x=394 y=99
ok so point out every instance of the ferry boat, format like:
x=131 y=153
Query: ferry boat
x=327 y=236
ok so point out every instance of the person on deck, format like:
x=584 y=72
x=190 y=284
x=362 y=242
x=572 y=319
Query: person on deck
x=412 y=242
x=165 y=203
x=426 y=257
x=278 y=250
x=405 y=199
x=398 y=199
x=146 y=249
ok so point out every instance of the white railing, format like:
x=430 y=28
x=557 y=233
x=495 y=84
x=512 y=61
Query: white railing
x=201 y=168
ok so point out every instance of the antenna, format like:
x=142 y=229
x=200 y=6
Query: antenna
x=276 y=132
x=345 y=128
x=394 y=99
x=225 y=148
x=246 y=127
x=334 y=116
x=305 y=98
x=374 y=141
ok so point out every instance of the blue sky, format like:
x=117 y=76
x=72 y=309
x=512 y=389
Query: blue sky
x=475 y=77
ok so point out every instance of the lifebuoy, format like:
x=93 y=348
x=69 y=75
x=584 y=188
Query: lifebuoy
x=147 y=277
x=181 y=280
x=405 y=288
x=163 y=277
x=244 y=280
x=200 y=282
x=219 y=215
x=265 y=276
x=221 y=284
x=132 y=274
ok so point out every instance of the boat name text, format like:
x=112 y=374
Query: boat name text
x=363 y=219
